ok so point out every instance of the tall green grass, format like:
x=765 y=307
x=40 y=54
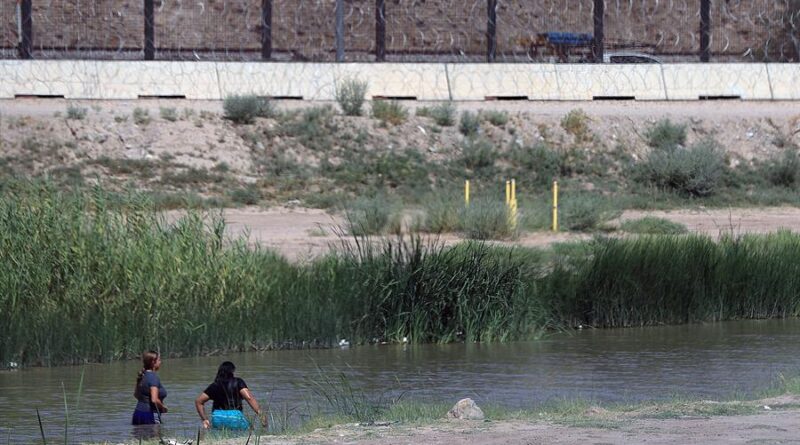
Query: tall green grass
x=85 y=278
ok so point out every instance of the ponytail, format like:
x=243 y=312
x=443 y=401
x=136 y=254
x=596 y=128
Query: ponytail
x=149 y=360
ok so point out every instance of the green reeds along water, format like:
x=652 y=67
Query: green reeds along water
x=84 y=277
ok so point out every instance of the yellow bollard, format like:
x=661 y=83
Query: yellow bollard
x=466 y=193
x=508 y=192
x=555 y=206
x=513 y=190
x=513 y=204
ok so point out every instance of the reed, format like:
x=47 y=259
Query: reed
x=84 y=278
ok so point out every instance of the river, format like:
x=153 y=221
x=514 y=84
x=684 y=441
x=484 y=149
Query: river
x=700 y=360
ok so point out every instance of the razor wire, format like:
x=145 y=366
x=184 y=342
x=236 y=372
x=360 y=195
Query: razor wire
x=415 y=30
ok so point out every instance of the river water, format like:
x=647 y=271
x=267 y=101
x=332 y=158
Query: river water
x=701 y=360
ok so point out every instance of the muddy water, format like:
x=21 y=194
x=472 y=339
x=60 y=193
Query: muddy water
x=710 y=360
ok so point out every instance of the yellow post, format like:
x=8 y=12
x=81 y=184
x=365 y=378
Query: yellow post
x=513 y=190
x=555 y=206
x=508 y=192
x=466 y=193
x=513 y=204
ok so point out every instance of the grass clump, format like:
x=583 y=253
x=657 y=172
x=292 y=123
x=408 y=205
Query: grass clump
x=244 y=109
x=539 y=163
x=584 y=212
x=169 y=114
x=478 y=155
x=442 y=213
x=650 y=225
x=350 y=94
x=389 y=112
x=443 y=114
x=576 y=123
x=314 y=128
x=783 y=170
x=496 y=118
x=372 y=216
x=666 y=136
x=249 y=195
x=487 y=219
x=141 y=116
x=694 y=171
x=76 y=113
x=470 y=124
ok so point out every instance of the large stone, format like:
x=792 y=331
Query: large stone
x=466 y=409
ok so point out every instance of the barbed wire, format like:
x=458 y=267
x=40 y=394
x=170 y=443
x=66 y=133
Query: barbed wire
x=415 y=30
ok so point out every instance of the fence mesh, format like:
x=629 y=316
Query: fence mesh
x=416 y=30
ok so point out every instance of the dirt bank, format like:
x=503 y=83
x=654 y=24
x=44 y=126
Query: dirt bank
x=305 y=233
x=775 y=421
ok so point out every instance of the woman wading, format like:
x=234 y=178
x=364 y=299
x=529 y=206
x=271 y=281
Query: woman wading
x=149 y=391
x=227 y=391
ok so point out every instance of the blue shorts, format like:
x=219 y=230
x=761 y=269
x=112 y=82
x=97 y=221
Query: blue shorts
x=145 y=418
x=232 y=419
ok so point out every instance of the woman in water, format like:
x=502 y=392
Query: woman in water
x=227 y=391
x=149 y=392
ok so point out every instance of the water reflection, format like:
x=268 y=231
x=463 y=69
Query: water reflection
x=705 y=360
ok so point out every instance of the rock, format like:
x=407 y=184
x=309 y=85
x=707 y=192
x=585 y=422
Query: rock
x=466 y=409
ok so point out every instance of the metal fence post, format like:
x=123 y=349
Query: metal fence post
x=266 y=29
x=149 y=30
x=380 y=30
x=491 y=31
x=705 y=30
x=340 y=30
x=26 y=29
x=599 y=31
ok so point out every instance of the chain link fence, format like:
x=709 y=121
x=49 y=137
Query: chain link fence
x=403 y=30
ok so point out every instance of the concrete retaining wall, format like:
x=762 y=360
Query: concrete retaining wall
x=434 y=81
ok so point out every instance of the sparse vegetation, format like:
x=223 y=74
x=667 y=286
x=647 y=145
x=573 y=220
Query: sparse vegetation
x=496 y=118
x=576 y=123
x=586 y=212
x=443 y=114
x=244 y=109
x=783 y=170
x=650 y=225
x=372 y=215
x=390 y=112
x=469 y=124
x=168 y=114
x=141 y=116
x=351 y=94
x=76 y=113
x=666 y=136
x=693 y=171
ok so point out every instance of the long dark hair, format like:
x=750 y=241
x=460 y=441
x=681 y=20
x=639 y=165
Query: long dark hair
x=227 y=381
x=149 y=359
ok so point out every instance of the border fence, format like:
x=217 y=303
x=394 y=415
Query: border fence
x=521 y=31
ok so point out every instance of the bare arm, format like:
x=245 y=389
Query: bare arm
x=246 y=395
x=156 y=400
x=199 y=403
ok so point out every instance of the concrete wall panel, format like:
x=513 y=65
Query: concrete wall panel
x=690 y=81
x=310 y=81
x=425 y=81
x=479 y=81
x=584 y=82
x=317 y=81
x=785 y=80
x=129 y=80
x=73 y=79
